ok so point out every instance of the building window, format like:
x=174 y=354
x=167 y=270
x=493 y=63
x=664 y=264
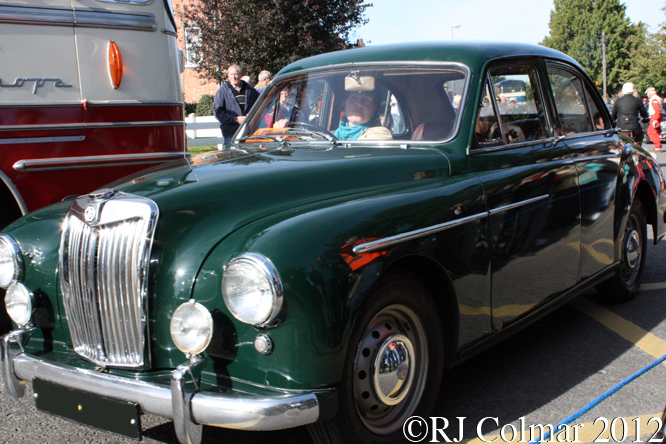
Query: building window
x=192 y=42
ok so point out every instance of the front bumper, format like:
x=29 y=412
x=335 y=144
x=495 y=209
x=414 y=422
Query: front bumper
x=189 y=409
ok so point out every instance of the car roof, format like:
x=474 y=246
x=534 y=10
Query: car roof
x=474 y=54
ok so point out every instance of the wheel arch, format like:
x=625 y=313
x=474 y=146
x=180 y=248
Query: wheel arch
x=438 y=283
x=646 y=195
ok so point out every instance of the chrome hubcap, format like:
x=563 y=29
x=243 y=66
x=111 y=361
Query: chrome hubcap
x=390 y=369
x=633 y=249
x=394 y=370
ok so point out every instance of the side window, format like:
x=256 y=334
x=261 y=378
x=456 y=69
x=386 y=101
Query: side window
x=519 y=103
x=517 y=115
x=570 y=101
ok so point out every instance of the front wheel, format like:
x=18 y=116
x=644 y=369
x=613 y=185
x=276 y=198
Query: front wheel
x=393 y=367
x=624 y=285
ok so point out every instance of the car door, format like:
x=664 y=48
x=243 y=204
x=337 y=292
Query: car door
x=584 y=126
x=531 y=191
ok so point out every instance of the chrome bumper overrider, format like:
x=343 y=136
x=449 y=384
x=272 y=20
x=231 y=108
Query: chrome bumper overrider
x=188 y=408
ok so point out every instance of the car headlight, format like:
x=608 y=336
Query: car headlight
x=191 y=328
x=252 y=289
x=18 y=302
x=11 y=262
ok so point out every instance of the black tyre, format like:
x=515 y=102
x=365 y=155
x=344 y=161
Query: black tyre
x=393 y=367
x=624 y=285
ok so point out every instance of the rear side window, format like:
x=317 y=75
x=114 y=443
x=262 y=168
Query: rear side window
x=574 y=106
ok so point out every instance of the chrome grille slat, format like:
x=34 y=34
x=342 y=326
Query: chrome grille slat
x=103 y=277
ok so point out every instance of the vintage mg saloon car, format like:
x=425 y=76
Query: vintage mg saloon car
x=383 y=213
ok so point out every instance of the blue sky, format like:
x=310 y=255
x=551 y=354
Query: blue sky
x=526 y=21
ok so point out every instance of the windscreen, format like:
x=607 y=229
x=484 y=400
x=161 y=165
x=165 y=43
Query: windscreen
x=372 y=104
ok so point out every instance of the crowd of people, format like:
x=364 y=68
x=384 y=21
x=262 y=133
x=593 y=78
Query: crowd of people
x=639 y=116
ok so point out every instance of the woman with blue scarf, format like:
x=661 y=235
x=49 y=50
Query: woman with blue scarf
x=361 y=120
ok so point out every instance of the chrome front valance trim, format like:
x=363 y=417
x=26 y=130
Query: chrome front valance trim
x=74 y=17
x=386 y=242
x=233 y=409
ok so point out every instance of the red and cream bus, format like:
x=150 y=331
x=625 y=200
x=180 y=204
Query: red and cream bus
x=89 y=92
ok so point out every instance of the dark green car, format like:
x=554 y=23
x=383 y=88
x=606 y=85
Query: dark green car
x=383 y=213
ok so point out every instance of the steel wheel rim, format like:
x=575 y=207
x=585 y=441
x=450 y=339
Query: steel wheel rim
x=632 y=253
x=383 y=410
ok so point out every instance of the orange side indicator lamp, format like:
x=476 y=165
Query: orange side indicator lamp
x=115 y=64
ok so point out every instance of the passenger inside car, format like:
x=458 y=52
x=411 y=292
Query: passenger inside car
x=361 y=117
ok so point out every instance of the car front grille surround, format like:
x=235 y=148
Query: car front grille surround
x=104 y=258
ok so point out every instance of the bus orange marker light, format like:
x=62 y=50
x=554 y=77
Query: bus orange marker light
x=115 y=64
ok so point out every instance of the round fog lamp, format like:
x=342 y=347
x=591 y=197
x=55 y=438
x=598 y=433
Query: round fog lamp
x=191 y=328
x=10 y=261
x=18 y=302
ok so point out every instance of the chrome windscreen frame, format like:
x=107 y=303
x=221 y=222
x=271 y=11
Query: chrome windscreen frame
x=103 y=273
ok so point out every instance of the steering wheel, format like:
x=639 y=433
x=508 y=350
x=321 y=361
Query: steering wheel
x=313 y=127
x=514 y=133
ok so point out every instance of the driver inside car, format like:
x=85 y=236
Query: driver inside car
x=361 y=118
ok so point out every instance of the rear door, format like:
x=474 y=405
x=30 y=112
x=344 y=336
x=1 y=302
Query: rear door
x=531 y=193
x=583 y=124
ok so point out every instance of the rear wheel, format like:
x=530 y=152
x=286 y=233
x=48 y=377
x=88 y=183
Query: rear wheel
x=624 y=285
x=393 y=367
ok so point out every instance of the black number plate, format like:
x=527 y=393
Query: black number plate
x=103 y=413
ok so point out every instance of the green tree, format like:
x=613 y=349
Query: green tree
x=648 y=61
x=576 y=28
x=268 y=34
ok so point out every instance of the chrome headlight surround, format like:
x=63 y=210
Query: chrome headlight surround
x=191 y=328
x=11 y=261
x=252 y=289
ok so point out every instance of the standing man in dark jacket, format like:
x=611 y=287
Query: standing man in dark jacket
x=626 y=111
x=232 y=102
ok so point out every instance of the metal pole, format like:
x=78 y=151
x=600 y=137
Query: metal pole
x=603 y=49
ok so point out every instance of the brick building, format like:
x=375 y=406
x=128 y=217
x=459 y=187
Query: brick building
x=193 y=86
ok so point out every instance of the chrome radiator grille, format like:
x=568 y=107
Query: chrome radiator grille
x=104 y=257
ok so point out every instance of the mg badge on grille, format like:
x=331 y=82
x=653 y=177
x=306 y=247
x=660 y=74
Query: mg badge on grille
x=90 y=214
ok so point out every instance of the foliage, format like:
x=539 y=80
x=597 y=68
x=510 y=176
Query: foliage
x=190 y=108
x=576 y=28
x=205 y=105
x=648 y=62
x=268 y=34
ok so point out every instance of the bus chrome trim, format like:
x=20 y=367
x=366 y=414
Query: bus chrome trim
x=66 y=163
x=82 y=126
x=86 y=18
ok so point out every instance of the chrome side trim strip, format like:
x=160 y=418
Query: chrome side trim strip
x=86 y=18
x=380 y=244
x=518 y=204
x=42 y=140
x=386 y=242
x=234 y=410
x=64 y=163
x=82 y=126
x=578 y=159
